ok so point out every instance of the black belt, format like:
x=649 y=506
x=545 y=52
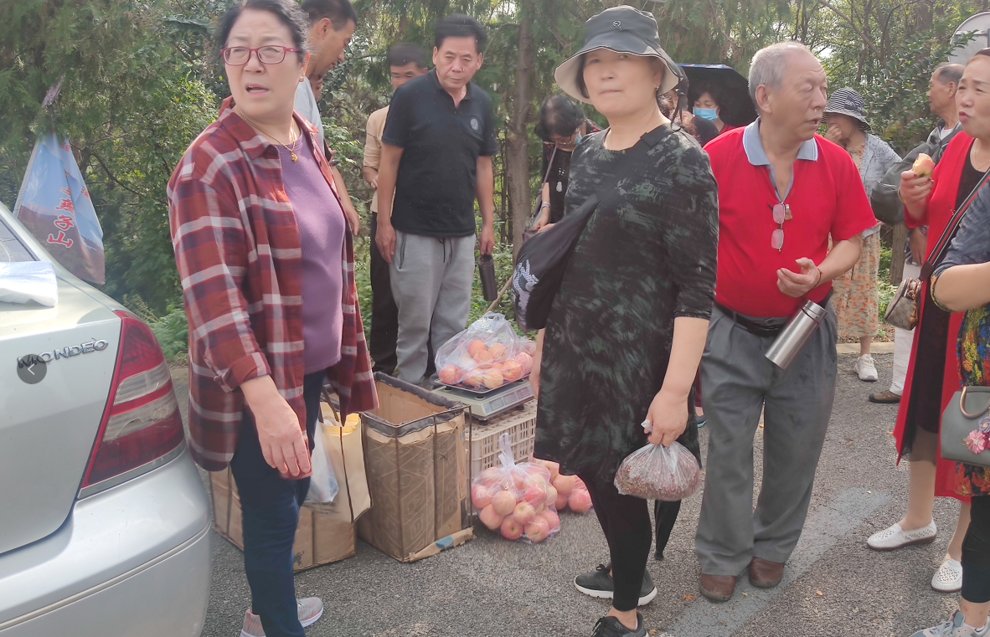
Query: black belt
x=762 y=327
x=757 y=327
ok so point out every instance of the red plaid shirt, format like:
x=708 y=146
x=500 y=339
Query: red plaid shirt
x=239 y=258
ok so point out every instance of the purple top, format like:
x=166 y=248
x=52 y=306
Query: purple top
x=321 y=233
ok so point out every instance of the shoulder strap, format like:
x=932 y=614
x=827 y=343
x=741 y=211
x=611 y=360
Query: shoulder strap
x=950 y=229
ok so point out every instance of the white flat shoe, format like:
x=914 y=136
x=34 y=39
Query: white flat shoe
x=894 y=537
x=948 y=577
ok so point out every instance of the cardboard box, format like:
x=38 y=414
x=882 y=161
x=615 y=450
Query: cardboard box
x=416 y=465
x=320 y=538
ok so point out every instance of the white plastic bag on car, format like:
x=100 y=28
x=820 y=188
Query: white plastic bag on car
x=655 y=472
x=26 y=281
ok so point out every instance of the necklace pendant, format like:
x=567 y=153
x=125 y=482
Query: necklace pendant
x=293 y=156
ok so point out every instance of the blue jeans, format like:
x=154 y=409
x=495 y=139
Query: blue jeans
x=270 y=509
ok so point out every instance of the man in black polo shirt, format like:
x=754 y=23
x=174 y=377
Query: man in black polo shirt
x=436 y=160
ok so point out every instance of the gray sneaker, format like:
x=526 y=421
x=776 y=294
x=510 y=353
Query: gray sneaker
x=598 y=583
x=954 y=627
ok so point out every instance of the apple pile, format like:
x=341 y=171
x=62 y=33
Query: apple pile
x=572 y=493
x=487 y=355
x=517 y=501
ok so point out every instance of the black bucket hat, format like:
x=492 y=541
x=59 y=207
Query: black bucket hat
x=622 y=29
x=847 y=101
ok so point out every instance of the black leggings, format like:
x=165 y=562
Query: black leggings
x=626 y=523
x=976 y=553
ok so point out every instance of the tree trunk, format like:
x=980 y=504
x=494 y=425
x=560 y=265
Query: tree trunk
x=898 y=237
x=517 y=155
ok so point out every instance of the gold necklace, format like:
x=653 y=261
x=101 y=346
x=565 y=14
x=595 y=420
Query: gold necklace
x=292 y=149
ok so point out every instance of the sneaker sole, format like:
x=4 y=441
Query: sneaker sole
x=946 y=590
x=887 y=549
x=590 y=592
x=308 y=622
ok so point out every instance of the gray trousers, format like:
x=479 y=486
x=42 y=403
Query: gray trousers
x=431 y=281
x=737 y=382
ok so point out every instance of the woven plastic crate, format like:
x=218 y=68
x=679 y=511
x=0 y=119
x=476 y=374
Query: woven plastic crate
x=520 y=424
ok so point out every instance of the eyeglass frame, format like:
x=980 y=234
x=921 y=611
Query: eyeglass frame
x=257 y=52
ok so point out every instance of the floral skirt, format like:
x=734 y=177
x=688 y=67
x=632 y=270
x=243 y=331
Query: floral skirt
x=855 y=294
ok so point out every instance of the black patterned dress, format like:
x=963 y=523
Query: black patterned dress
x=640 y=263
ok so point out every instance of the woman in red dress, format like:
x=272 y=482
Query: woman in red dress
x=933 y=371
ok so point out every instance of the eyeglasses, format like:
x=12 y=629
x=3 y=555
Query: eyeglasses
x=269 y=54
x=781 y=213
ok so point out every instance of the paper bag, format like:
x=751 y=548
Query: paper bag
x=346 y=449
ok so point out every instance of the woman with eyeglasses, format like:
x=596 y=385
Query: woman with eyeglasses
x=562 y=124
x=933 y=373
x=267 y=272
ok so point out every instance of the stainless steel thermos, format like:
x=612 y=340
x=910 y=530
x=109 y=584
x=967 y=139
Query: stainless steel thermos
x=795 y=334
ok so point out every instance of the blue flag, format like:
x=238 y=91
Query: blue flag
x=54 y=205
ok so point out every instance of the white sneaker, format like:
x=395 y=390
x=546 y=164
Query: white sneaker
x=894 y=537
x=948 y=577
x=309 y=610
x=866 y=369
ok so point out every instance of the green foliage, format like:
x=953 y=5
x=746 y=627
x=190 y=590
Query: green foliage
x=172 y=332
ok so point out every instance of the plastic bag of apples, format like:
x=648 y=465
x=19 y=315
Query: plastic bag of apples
x=516 y=499
x=572 y=493
x=487 y=355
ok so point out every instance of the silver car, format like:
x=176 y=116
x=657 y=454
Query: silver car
x=104 y=521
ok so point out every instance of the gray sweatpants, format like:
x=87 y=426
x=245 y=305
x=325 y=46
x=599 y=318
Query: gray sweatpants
x=737 y=382
x=431 y=281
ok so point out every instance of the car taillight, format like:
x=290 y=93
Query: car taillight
x=141 y=423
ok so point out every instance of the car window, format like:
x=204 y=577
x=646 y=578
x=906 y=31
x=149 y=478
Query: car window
x=11 y=248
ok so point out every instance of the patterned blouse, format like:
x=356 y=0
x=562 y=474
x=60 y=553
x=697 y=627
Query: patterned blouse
x=972 y=245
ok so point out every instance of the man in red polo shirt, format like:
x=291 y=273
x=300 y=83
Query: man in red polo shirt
x=783 y=193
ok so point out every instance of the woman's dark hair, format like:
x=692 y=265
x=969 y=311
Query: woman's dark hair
x=460 y=26
x=558 y=116
x=288 y=13
x=706 y=87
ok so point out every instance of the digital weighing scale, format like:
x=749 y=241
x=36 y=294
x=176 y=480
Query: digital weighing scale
x=493 y=403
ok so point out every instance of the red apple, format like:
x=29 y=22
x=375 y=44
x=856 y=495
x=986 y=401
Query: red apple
x=536 y=496
x=553 y=520
x=579 y=501
x=490 y=518
x=450 y=374
x=490 y=476
x=511 y=529
x=565 y=484
x=524 y=513
x=481 y=496
x=551 y=498
x=497 y=350
x=923 y=165
x=561 y=503
x=492 y=378
x=503 y=502
x=537 y=530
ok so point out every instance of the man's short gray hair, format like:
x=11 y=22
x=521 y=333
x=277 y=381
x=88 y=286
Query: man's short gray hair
x=769 y=63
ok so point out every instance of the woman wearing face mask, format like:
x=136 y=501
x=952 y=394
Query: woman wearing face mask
x=707 y=106
x=267 y=271
x=628 y=325
x=561 y=126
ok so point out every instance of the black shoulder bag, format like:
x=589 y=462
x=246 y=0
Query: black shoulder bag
x=543 y=258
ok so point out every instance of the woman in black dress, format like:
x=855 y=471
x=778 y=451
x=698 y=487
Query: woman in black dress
x=629 y=323
x=561 y=126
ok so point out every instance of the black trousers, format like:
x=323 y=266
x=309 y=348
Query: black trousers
x=976 y=553
x=626 y=523
x=384 y=312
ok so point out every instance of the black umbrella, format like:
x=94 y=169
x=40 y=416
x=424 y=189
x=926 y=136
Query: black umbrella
x=735 y=106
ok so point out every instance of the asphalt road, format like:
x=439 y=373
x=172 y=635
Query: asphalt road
x=488 y=587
